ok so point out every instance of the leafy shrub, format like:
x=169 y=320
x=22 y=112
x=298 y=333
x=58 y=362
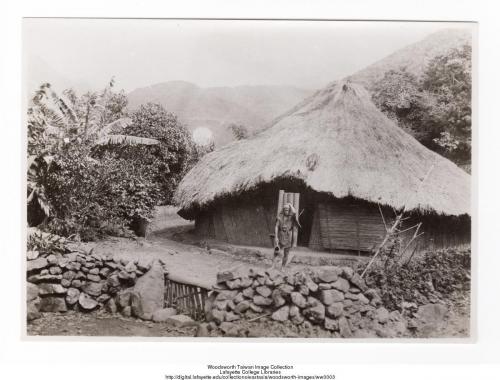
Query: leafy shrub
x=432 y=276
x=79 y=186
x=45 y=243
x=169 y=160
x=94 y=197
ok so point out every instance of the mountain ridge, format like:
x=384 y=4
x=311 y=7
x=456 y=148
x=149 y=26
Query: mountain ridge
x=217 y=107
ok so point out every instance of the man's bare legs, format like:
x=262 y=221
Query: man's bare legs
x=276 y=258
x=286 y=253
x=287 y=257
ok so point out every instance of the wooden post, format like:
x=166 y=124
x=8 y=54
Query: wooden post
x=296 y=202
x=197 y=292
x=170 y=293
x=280 y=201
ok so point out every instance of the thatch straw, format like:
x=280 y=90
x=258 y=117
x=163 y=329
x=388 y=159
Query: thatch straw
x=338 y=143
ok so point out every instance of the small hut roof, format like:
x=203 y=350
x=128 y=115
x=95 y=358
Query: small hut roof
x=339 y=143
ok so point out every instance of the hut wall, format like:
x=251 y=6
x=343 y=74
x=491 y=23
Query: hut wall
x=245 y=224
x=204 y=225
x=357 y=226
x=438 y=232
x=347 y=225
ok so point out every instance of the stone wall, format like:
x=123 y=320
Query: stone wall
x=336 y=298
x=78 y=279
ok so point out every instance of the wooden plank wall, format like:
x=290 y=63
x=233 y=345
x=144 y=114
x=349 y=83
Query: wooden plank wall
x=440 y=236
x=244 y=224
x=356 y=226
x=204 y=225
x=219 y=228
x=336 y=225
x=350 y=226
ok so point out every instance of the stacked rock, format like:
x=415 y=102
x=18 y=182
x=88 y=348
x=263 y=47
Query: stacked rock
x=77 y=279
x=336 y=298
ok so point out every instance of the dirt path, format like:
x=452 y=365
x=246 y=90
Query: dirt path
x=100 y=323
x=188 y=261
x=184 y=258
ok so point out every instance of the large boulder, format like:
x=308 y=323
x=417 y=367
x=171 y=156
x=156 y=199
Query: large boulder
x=93 y=289
x=277 y=297
x=298 y=299
x=72 y=296
x=328 y=274
x=331 y=324
x=111 y=306
x=330 y=296
x=242 y=307
x=264 y=291
x=32 y=255
x=357 y=281
x=429 y=318
x=144 y=263
x=382 y=315
x=33 y=302
x=86 y=302
x=345 y=329
x=37 y=278
x=31 y=292
x=432 y=313
x=295 y=315
x=262 y=301
x=136 y=307
x=341 y=284
x=37 y=264
x=33 y=309
x=311 y=285
x=347 y=272
x=281 y=314
x=231 y=317
x=335 y=310
x=151 y=290
x=51 y=289
x=316 y=310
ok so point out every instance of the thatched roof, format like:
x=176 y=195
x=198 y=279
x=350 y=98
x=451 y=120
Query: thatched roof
x=338 y=143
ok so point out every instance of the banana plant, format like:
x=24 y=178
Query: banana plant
x=54 y=121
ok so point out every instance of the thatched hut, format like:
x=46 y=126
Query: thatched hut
x=347 y=160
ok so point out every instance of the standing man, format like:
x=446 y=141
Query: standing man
x=285 y=233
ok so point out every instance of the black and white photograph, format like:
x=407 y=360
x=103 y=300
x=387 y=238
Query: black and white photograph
x=248 y=179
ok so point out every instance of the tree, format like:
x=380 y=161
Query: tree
x=172 y=156
x=199 y=151
x=98 y=112
x=240 y=132
x=399 y=96
x=76 y=186
x=436 y=108
x=449 y=79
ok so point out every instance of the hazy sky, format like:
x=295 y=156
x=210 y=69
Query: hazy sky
x=87 y=53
